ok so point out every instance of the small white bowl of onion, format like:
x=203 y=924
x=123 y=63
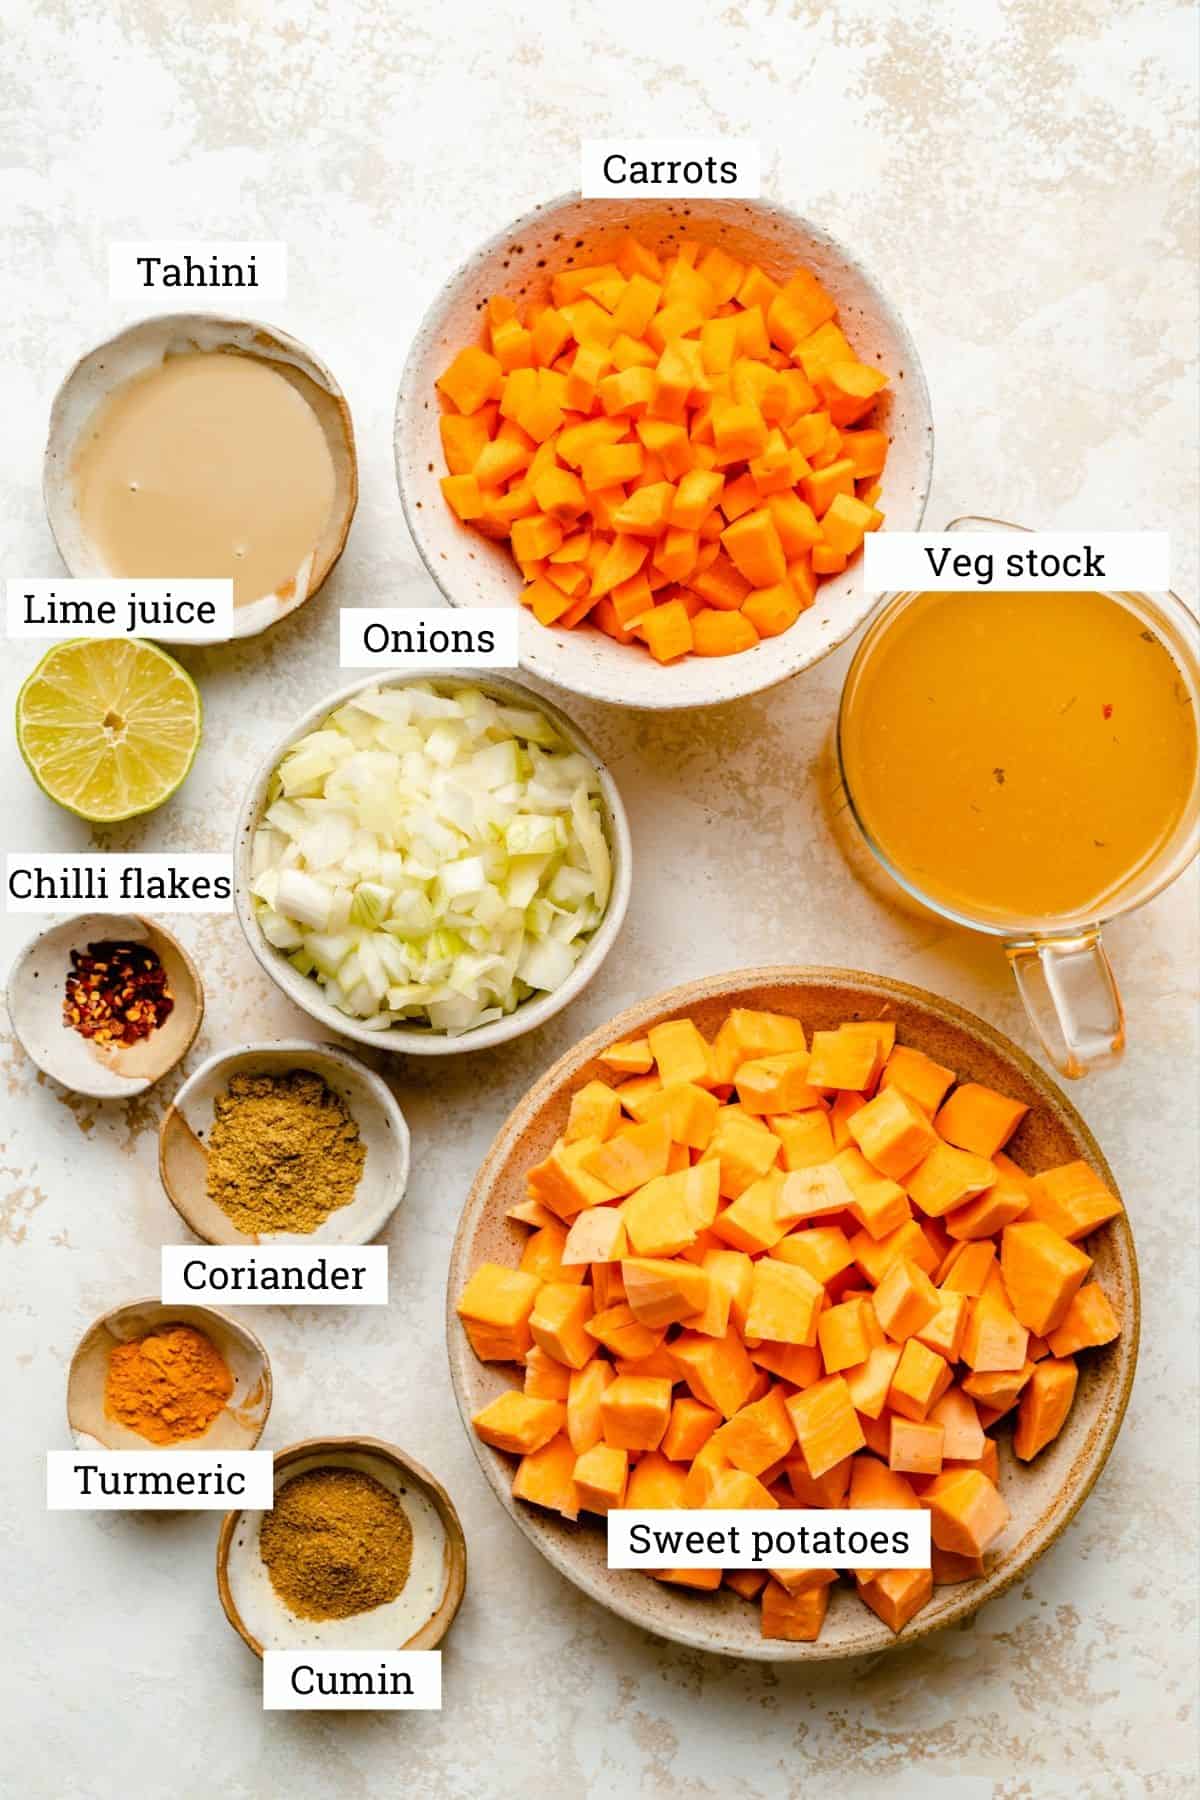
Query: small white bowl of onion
x=432 y=864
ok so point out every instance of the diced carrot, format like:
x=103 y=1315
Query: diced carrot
x=722 y=633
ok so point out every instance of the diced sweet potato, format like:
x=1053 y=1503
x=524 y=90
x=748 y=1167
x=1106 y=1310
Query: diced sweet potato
x=966 y=1513
x=1088 y=1321
x=517 y=1423
x=595 y=1112
x=1042 y=1273
x=905 y=1300
x=546 y=1478
x=978 y=1119
x=690 y=1427
x=785 y=1303
x=558 y=1322
x=793 y=1618
x=893 y=1133
x=1044 y=1405
x=600 y=1475
x=897 y=1595
x=826 y=1424
x=661 y=1290
x=915 y=1074
x=1072 y=1200
x=758 y=1435
x=914 y=1446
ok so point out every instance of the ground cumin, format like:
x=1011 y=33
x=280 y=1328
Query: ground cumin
x=336 y=1542
x=168 y=1385
x=283 y=1152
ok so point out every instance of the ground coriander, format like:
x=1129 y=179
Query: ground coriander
x=283 y=1153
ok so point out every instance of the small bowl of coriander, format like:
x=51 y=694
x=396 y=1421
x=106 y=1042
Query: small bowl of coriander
x=289 y=1143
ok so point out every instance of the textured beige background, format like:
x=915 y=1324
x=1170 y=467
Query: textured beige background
x=1019 y=176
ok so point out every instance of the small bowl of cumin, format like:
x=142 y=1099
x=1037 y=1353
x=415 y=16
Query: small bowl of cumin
x=363 y=1549
x=289 y=1143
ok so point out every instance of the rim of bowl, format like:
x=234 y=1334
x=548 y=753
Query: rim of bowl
x=307 y=359
x=232 y=1325
x=632 y=1019
x=438 y=1624
x=530 y=1014
x=301 y=1048
x=139 y=1084
x=535 y=665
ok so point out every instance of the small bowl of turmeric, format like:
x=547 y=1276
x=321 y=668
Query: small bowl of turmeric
x=175 y=1377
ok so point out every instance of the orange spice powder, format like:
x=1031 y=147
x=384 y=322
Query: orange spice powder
x=168 y=1385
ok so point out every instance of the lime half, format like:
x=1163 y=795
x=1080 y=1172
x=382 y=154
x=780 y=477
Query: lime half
x=108 y=726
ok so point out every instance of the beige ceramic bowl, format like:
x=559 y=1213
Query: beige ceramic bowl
x=412 y=1039
x=141 y=347
x=187 y=1125
x=420 y=1615
x=520 y=261
x=1043 y=1496
x=237 y=1427
x=37 y=986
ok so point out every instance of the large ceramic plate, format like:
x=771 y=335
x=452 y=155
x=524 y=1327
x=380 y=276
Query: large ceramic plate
x=1043 y=1497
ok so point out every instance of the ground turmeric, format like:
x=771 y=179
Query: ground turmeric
x=168 y=1385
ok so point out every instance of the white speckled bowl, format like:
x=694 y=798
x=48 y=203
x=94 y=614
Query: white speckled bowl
x=473 y=571
x=37 y=986
x=187 y=1125
x=1043 y=1495
x=239 y=1424
x=140 y=347
x=413 y=1039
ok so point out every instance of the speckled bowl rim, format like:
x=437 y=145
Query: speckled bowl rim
x=143 y=1083
x=234 y=1326
x=302 y=991
x=438 y=1624
x=631 y=1022
x=536 y=665
x=297 y=1049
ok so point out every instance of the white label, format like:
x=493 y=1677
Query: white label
x=653 y=168
x=276 y=1275
x=484 y=637
x=158 y=269
x=352 y=1680
x=158 y=1480
x=1015 y=561
x=98 y=881
x=168 y=611
x=813 y=1538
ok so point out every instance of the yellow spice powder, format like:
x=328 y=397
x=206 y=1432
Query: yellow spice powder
x=284 y=1152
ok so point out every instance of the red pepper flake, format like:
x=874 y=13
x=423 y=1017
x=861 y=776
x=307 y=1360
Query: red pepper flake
x=117 y=993
x=1107 y=710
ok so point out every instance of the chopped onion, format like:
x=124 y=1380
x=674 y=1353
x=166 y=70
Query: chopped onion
x=431 y=856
